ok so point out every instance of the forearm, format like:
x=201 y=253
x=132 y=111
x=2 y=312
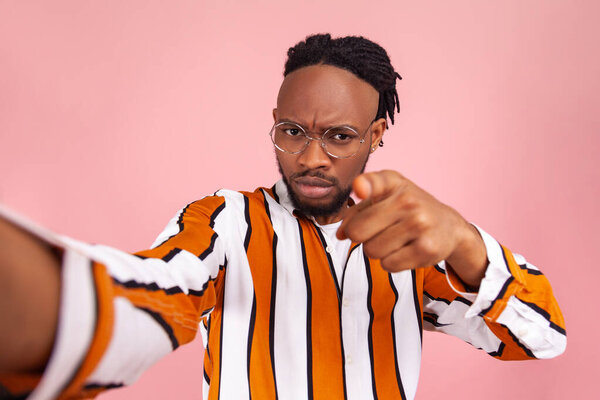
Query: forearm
x=30 y=291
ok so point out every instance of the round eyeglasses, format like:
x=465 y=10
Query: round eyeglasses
x=337 y=141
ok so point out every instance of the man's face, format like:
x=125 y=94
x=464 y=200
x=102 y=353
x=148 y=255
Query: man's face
x=317 y=98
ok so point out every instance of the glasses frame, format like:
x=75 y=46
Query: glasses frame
x=323 y=145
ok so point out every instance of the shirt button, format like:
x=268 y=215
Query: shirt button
x=328 y=249
x=348 y=360
x=345 y=302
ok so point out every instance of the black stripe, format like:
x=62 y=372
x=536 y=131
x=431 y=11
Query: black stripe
x=215 y=213
x=210 y=247
x=398 y=378
x=498 y=353
x=250 y=337
x=273 y=297
x=371 y=317
x=169 y=256
x=499 y=296
x=439 y=269
x=417 y=305
x=206 y=312
x=433 y=319
x=93 y=386
x=161 y=321
x=309 y=373
x=330 y=262
x=214 y=236
x=521 y=345
x=153 y=287
x=275 y=195
x=529 y=270
x=206 y=377
x=505 y=260
x=247 y=216
x=544 y=314
x=179 y=223
x=221 y=336
x=426 y=293
x=444 y=300
x=207 y=337
x=463 y=300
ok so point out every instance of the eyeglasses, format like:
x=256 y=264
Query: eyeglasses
x=337 y=141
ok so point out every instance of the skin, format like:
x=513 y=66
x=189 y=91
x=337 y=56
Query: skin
x=397 y=222
x=319 y=97
x=30 y=287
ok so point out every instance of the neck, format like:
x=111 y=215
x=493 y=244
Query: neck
x=330 y=219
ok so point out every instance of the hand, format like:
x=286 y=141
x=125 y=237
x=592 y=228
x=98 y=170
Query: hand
x=406 y=228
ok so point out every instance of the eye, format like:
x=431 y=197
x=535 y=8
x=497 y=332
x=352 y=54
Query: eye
x=293 y=131
x=341 y=135
x=290 y=130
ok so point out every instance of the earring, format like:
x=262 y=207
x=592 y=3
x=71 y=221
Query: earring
x=372 y=149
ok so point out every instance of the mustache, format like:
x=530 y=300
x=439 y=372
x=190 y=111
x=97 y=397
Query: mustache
x=315 y=174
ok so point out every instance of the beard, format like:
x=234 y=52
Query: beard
x=342 y=194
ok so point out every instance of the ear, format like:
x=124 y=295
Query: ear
x=274 y=115
x=377 y=131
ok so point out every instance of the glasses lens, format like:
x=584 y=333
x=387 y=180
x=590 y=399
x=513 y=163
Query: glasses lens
x=289 y=137
x=342 y=141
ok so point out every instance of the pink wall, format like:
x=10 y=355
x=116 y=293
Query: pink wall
x=112 y=116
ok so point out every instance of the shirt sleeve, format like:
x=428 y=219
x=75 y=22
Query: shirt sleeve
x=513 y=316
x=119 y=312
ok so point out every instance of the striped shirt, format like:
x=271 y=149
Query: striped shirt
x=259 y=280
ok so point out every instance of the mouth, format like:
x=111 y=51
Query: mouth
x=313 y=187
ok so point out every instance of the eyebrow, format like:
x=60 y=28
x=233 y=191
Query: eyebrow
x=323 y=130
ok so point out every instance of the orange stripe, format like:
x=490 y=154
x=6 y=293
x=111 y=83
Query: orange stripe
x=214 y=342
x=511 y=351
x=435 y=283
x=102 y=335
x=420 y=283
x=19 y=383
x=196 y=234
x=537 y=290
x=326 y=341
x=262 y=383
x=382 y=301
x=176 y=309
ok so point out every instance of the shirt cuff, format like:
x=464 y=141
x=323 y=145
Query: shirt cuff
x=493 y=285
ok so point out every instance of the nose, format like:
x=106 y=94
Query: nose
x=314 y=156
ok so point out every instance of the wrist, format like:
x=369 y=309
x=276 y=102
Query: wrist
x=469 y=258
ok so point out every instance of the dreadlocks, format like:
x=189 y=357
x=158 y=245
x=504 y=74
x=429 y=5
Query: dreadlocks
x=362 y=57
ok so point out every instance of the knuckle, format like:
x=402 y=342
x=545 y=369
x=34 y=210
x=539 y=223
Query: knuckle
x=421 y=221
x=426 y=247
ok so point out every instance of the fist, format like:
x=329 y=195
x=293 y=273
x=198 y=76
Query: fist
x=405 y=227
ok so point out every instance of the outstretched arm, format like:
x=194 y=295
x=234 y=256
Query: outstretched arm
x=94 y=317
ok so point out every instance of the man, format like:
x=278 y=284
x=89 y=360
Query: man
x=299 y=293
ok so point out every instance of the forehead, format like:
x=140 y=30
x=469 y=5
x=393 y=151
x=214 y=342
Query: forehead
x=325 y=95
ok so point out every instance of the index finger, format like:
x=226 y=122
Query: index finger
x=370 y=187
x=375 y=186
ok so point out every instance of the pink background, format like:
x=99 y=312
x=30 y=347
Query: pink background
x=113 y=116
